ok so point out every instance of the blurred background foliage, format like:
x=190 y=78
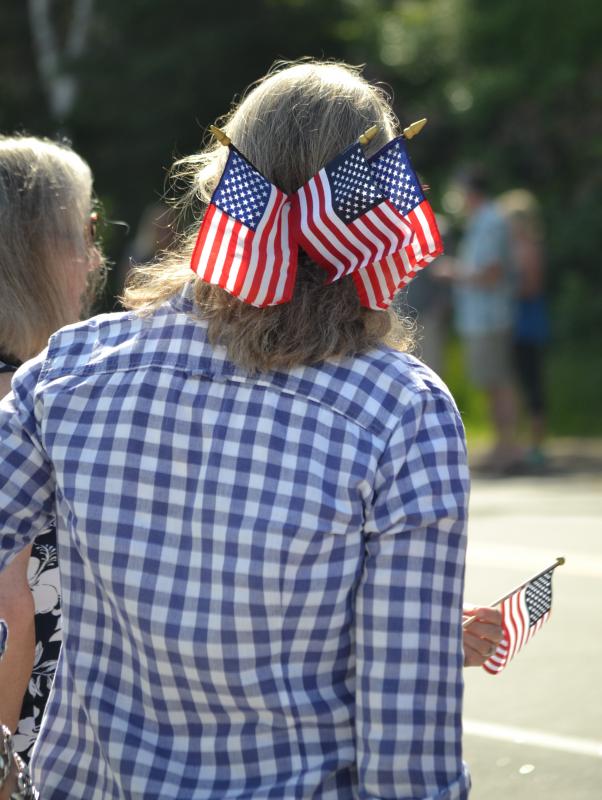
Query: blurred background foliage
x=514 y=84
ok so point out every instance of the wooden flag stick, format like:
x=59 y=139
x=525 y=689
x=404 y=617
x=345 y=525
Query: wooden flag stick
x=559 y=562
x=220 y=135
x=414 y=129
x=408 y=133
x=368 y=135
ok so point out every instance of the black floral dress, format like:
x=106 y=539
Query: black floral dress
x=43 y=576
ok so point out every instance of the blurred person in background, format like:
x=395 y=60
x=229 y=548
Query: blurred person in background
x=531 y=328
x=49 y=269
x=483 y=276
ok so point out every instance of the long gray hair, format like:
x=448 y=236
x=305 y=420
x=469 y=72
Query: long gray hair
x=289 y=126
x=45 y=197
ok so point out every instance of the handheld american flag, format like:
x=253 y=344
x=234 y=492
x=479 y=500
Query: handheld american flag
x=393 y=171
x=245 y=242
x=343 y=219
x=524 y=611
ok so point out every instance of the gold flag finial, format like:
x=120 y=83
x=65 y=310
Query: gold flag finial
x=220 y=135
x=414 y=129
x=368 y=135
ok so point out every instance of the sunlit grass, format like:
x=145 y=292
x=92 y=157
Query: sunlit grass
x=573 y=388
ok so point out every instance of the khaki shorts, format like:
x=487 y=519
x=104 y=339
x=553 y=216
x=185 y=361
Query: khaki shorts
x=489 y=358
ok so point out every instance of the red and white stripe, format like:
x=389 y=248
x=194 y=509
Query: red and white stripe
x=343 y=248
x=377 y=284
x=258 y=267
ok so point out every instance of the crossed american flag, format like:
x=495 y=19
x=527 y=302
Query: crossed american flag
x=359 y=217
x=344 y=219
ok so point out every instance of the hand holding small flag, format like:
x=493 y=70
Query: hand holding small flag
x=524 y=611
x=483 y=635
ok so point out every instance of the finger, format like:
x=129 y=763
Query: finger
x=485 y=630
x=476 y=652
x=483 y=646
x=488 y=614
x=473 y=657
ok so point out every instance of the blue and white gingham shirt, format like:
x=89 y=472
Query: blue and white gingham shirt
x=262 y=575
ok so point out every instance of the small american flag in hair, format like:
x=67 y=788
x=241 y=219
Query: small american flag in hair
x=344 y=220
x=393 y=171
x=245 y=243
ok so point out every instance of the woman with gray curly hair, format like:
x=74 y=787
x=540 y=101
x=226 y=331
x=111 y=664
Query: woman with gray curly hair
x=261 y=510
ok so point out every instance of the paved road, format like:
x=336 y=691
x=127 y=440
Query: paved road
x=535 y=731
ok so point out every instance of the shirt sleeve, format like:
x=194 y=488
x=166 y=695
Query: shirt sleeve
x=409 y=656
x=26 y=477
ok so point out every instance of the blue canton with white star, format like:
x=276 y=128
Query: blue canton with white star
x=538 y=597
x=352 y=185
x=396 y=177
x=242 y=192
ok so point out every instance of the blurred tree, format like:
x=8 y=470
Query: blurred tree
x=56 y=60
x=415 y=47
x=514 y=84
x=153 y=76
x=22 y=101
x=534 y=72
x=159 y=73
